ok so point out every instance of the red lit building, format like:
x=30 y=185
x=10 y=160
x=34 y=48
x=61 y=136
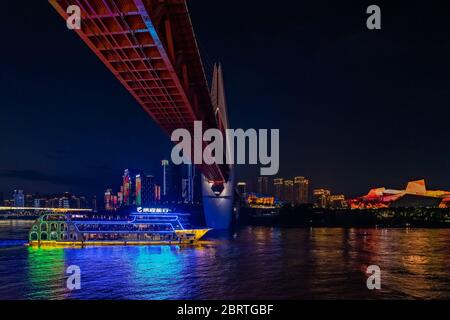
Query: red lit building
x=415 y=195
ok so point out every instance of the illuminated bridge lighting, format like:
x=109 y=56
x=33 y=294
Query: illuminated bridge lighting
x=150 y=47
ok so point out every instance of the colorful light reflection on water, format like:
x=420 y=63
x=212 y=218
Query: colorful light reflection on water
x=253 y=263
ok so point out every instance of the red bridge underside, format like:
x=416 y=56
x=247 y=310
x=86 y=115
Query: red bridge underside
x=150 y=46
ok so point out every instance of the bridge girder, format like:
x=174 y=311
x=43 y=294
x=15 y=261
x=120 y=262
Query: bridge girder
x=150 y=47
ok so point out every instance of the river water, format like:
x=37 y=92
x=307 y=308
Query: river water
x=252 y=263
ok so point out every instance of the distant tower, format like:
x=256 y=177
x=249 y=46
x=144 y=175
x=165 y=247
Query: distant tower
x=289 y=191
x=129 y=187
x=164 y=164
x=301 y=190
x=278 y=185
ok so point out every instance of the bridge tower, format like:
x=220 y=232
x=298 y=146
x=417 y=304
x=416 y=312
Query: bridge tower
x=218 y=199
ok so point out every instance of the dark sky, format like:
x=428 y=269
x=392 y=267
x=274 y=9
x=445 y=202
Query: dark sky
x=356 y=108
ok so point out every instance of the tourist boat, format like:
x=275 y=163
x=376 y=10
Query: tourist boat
x=135 y=229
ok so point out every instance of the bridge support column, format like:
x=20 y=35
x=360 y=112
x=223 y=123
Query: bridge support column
x=218 y=208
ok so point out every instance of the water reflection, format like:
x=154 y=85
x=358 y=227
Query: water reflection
x=252 y=263
x=45 y=273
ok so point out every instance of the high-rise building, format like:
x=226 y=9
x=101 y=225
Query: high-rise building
x=108 y=200
x=242 y=188
x=263 y=185
x=64 y=202
x=186 y=192
x=39 y=203
x=120 y=196
x=174 y=176
x=146 y=190
x=322 y=197
x=94 y=206
x=129 y=187
x=2 y=199
x=301 y=190
x=84 y=202
x=165 y=165
x=158 y=193
x=289 y=191
x=191 y=184
x=278 y=186
x=19 y=198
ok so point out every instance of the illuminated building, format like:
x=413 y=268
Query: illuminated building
x=415 y=195
x=157 y=193
x=108 y=200
x=146 y=193
x=301 y=190
x=242 y=188
x=288 y=192
x=19 y=198
x=129 y=187
x=165 y=165
x=321 y=197
x=278 y=186
x=263 y=185
x=120 y=196
x=337 y=201
x=63 y=203
x=173 y=184
x=259 y=201
x=186 y=190
x=191 y=185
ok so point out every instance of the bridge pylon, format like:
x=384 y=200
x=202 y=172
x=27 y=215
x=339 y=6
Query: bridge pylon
x=218 y=198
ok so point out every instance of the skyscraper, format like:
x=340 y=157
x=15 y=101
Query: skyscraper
x=146 y=190
x=109 y=200
x=263 y=185
x=174 y=178
x=289 y=191
x=301 y=190
x=94 y=204
x=120 y=196
x=191 y=184
x=278 y=185
x=165 y=165
x=19 y=198
x=129 y=187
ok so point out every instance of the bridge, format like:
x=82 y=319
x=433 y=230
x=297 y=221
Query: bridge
x=150 y=47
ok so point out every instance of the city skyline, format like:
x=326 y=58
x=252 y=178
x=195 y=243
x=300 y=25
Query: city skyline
x=317 y=130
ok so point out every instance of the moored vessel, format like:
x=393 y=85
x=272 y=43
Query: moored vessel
x=135 y=229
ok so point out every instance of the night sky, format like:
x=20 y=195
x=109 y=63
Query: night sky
x=356 y=108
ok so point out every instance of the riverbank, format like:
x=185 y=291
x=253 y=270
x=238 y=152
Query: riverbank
x=304 y=216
